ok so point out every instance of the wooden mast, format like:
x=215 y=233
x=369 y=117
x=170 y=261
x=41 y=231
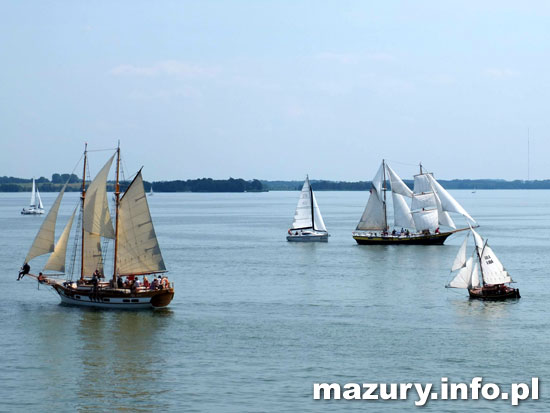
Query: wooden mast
x=117 y=200
x=83 y=196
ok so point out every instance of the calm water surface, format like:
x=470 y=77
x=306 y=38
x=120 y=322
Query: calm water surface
x=256 y=320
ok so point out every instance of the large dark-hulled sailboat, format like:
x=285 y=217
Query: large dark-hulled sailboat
x=135 y=253
x=417 y=224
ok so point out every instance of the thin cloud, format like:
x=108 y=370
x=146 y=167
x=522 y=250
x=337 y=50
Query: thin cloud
x=164 y=68
x=500 y=73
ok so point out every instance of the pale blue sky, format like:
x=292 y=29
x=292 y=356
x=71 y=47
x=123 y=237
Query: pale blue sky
x=277 y=89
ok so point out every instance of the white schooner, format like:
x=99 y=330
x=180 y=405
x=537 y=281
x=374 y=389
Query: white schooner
x=308 y=224
x=135 y=251
x=417 y=224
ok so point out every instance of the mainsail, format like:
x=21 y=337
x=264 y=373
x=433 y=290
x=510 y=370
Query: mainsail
x=302 y=216
x=33 y=195
x=45 y=239
x=138 y=248
x=374 y=216
x=56 y=261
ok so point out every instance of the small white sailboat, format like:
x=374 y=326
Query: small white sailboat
x=151 y=193
x=491 y=285
x=308 y=224
x=35 y=208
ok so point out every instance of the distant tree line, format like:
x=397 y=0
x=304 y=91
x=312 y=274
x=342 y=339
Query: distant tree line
x=448 y=184
x=207 y=185
x=12 y=184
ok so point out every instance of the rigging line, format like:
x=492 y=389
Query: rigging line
x=401 y=163
x=102 y=150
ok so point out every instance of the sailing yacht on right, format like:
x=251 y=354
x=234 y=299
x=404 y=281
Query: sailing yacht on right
x=420 y=223
x=494 y=277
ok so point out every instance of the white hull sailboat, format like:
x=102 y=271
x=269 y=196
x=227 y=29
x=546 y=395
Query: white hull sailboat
x=417 y=224
x=35 y=208
x=308 y=224
x=493 y=284
x=135 y=249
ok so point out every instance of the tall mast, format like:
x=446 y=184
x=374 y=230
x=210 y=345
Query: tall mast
x=83 y=196
x=384 y=188
x=117 y=196
x=421 y=168
x=311 y=202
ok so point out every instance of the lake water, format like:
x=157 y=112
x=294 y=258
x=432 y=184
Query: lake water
x=257 y=320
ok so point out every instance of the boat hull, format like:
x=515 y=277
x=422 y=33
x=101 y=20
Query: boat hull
x=432 y=239
x=308 y=238
x=114 y=298
x=497 y=292
x=33 y=211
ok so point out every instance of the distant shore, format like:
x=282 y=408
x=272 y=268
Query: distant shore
x=12 y=184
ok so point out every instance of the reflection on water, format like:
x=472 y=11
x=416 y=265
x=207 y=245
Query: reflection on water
x=123 y=360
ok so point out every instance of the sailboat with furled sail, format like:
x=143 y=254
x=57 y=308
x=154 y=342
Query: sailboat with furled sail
x=491 y=285
x=136 y=251
x=415 y=224
x=308 y=224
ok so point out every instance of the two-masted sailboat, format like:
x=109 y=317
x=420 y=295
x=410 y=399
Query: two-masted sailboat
x=35 y=208
x=308 y=224
x=135 y=254
x=418 y=223
x=491 y=285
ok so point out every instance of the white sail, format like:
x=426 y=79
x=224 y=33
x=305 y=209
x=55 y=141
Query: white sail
x=56 y=261
x=318 y=221
x=492 y=270
x=93 y=258
x=463 y=278
x=448 y=203
x=40 y=205
x=422 y=183
x=302 y=216
x=443 y=216
x=397 y=185
x=44 y=241
x=425 y=219
x=475 y=276
x=33 y=194
x=138 y=248
x=401 y=212
x=373 y=218
x=478 y=240
x=97 y=219
x=378 y=180
x=423 y=201
x=460 y=259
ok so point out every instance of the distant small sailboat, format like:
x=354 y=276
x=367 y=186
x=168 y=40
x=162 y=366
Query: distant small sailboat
x=151 y=193
x=34 y=207
x=308 y=224
x=420 y=222
x=494 y=277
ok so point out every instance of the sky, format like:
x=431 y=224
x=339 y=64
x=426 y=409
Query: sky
x=277 y=89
